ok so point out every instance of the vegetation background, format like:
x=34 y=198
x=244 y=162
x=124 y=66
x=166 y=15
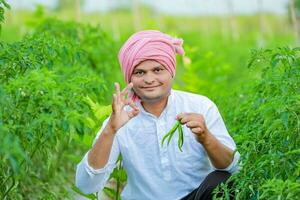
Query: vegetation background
x=58 y=66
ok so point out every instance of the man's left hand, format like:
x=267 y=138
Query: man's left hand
x=196 y=123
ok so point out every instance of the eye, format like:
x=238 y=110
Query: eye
x=138 y=73
x=158 y=69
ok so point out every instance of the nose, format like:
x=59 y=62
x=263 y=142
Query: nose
x=148 y=78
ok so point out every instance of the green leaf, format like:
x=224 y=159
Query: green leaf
x=285 y=119
x=89 y=196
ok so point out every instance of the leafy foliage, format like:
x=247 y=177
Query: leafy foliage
x=43 y=84
x=266 y=127
x=3 y=5
x=55 y=82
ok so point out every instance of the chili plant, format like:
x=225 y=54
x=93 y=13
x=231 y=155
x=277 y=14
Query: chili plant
x=170 y=134
x=3 y=6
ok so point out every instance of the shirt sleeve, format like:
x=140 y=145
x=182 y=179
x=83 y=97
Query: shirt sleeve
x=216 y=126
x=90 y=180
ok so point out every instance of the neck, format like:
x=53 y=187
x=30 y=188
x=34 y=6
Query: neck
x=155 y=108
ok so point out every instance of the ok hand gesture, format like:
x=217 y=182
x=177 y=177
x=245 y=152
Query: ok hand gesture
x=119 y=116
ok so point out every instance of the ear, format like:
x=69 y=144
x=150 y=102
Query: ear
x=172 y=76
x=132 y=90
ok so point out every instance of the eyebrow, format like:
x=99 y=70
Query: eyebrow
x=157 y=67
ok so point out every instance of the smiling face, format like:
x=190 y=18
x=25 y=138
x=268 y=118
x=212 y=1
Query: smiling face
x=152 y=82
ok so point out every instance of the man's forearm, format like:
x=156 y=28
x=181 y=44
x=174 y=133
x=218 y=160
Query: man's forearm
x=99 y=154
x=220 y=155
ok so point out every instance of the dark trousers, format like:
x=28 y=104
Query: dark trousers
x=204 y=191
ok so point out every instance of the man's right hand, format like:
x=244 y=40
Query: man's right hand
x=119 y=116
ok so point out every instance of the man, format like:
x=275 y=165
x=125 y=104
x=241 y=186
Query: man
x=137 y=125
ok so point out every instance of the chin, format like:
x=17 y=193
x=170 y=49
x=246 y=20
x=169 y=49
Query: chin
x=152 y=97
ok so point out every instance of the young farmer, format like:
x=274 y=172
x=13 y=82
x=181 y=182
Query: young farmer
x=138 y=123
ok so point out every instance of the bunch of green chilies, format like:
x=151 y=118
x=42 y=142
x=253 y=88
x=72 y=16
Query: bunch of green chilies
x=171 y=133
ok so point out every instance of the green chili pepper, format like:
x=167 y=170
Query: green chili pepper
x=170 y=134
x=180 y=138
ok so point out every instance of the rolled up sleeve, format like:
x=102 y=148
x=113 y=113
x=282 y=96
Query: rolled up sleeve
x=216 y=126
x=90 y=180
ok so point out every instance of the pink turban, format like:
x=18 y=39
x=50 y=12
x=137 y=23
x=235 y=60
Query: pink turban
x=149 y=45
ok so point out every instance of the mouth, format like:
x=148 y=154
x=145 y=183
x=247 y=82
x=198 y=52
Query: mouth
x=150 y=88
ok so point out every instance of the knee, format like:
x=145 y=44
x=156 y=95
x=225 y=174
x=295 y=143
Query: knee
x=212 y=180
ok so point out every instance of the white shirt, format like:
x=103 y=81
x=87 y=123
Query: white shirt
x=153 y=171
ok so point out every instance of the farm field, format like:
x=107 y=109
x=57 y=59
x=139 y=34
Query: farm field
x=57 y=75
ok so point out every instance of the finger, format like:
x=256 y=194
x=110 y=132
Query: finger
x=133 y=113
x=200 y=117
x=117 y=90
x=186 y=118
x=194 y=116
x=180 y=116
x=183 y=114
x=193 y=124
x=131 y=104
x=197 y=130
x=203 y=123
x=114 y=102
x=126 y=89
x=196 y=123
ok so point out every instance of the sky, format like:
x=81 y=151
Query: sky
x=172 y=7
